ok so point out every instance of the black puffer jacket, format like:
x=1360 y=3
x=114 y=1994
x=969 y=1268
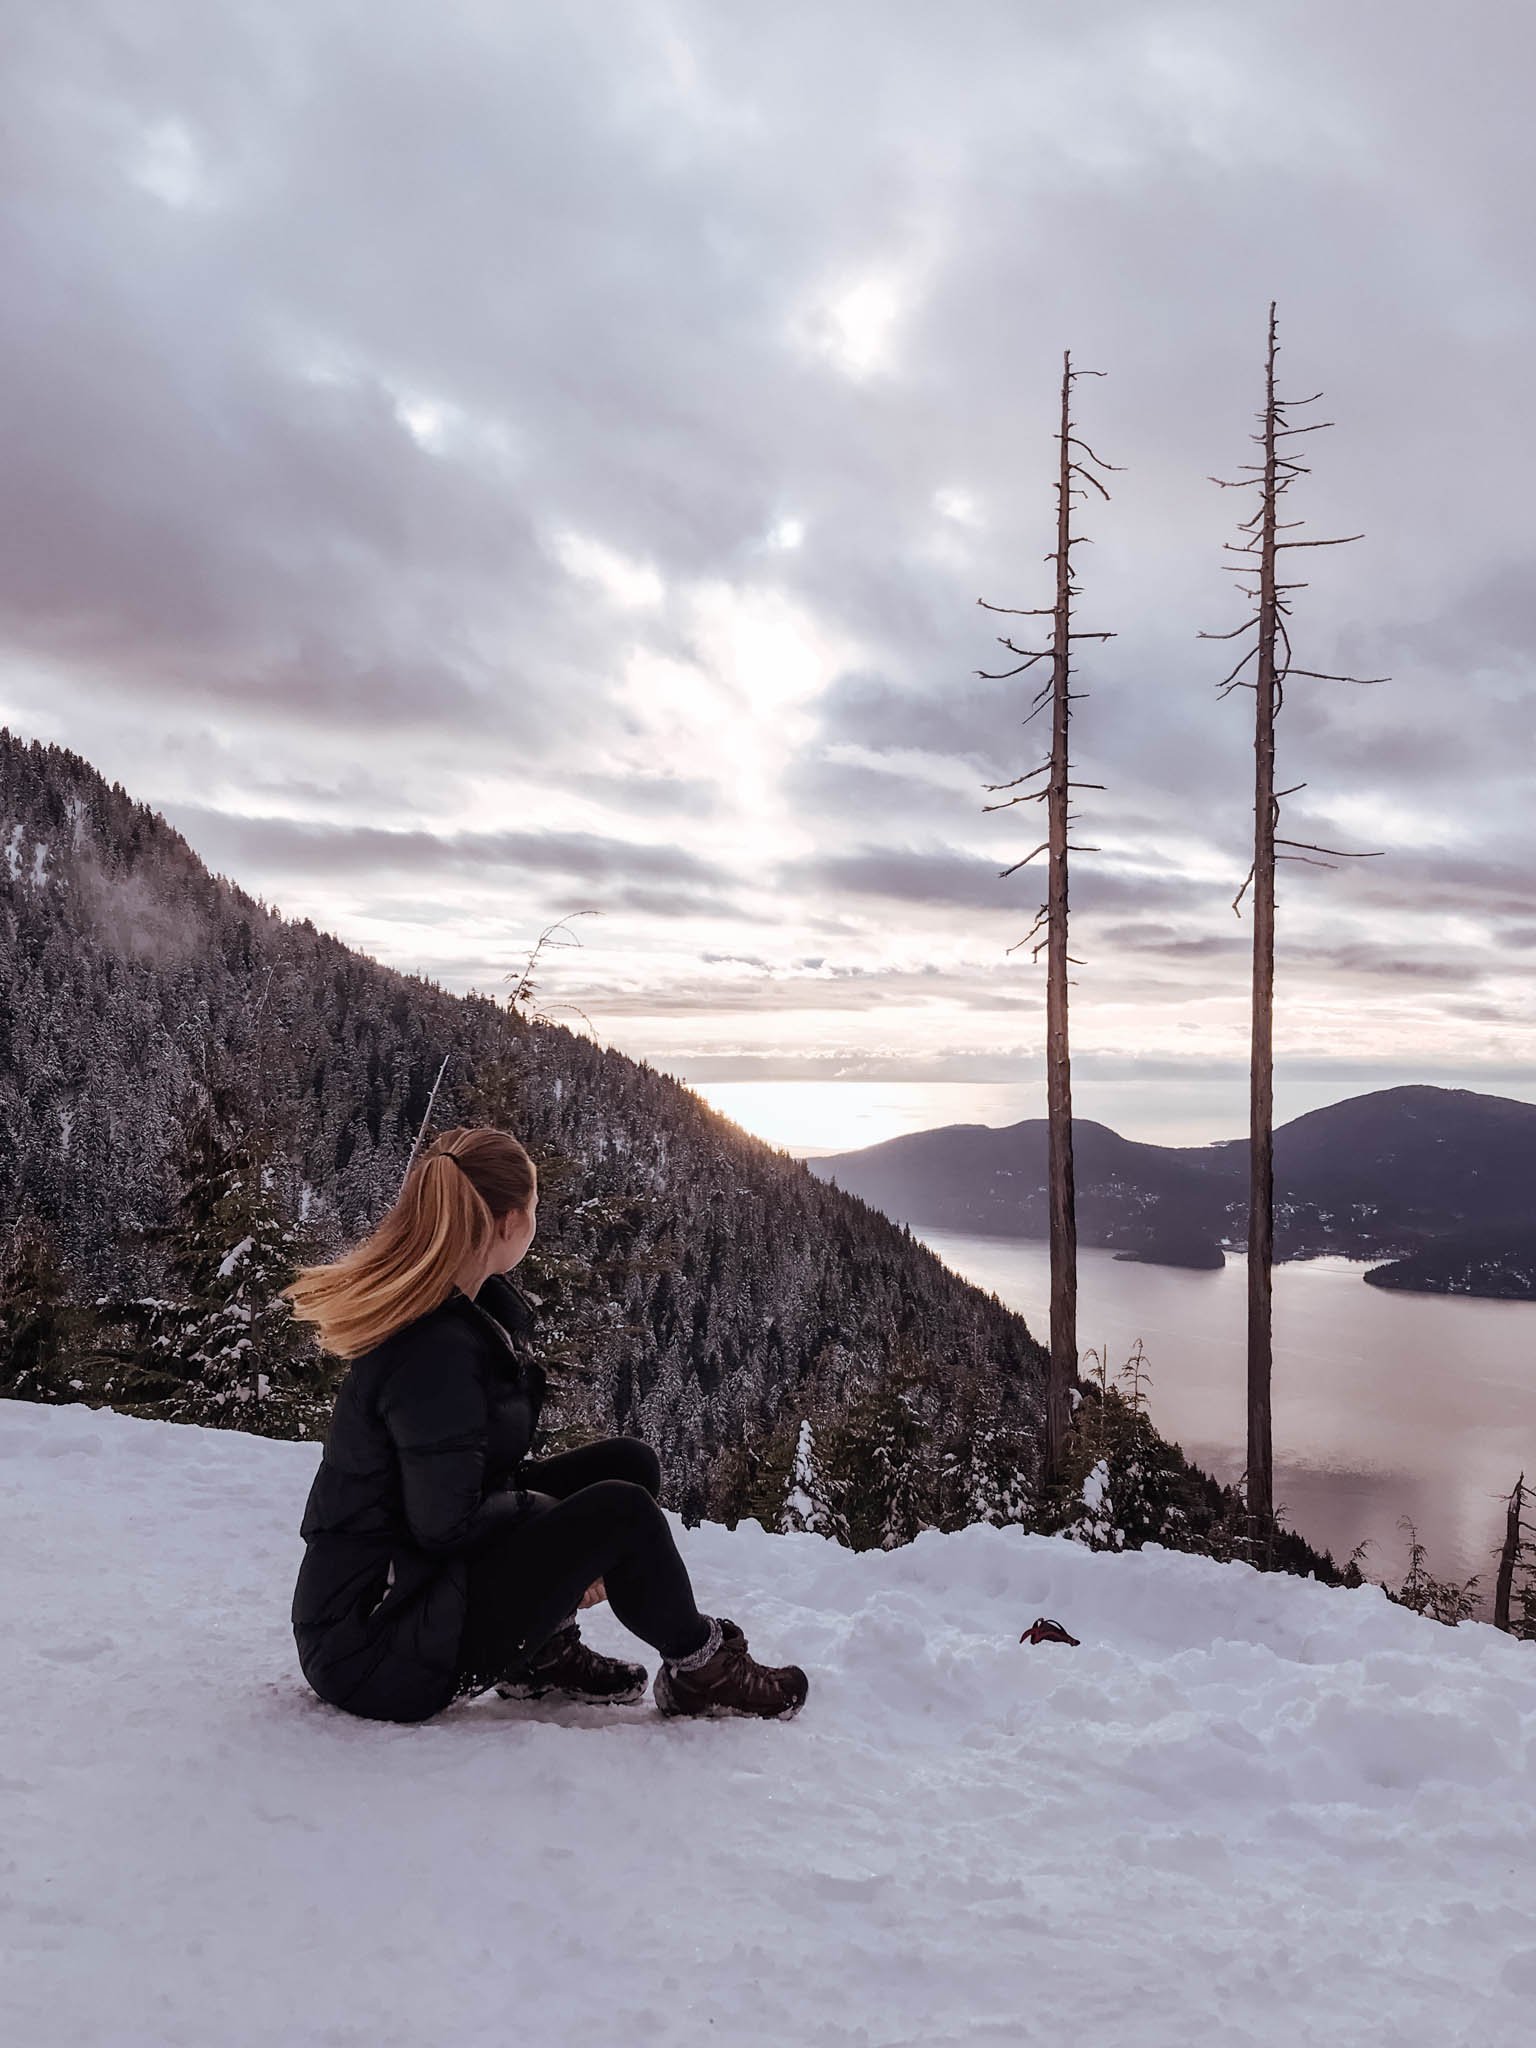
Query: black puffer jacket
x=419 y=1470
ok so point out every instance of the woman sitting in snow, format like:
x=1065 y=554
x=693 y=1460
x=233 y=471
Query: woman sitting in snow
x=439 y=1560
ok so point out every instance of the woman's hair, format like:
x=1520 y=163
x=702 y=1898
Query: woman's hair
x=454 y=1197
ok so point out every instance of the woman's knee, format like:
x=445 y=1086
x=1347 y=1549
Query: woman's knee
x=635 y=1462
x=626 y=1509
x=633 y=1500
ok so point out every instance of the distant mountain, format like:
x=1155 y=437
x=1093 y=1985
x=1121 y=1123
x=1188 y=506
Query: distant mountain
x=973 y=1178
x=1394 y=1174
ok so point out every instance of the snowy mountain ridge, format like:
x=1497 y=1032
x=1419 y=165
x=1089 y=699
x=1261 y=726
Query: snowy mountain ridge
x=1250 y=1808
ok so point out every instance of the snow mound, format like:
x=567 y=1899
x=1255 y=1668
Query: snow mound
x=1249 y=1808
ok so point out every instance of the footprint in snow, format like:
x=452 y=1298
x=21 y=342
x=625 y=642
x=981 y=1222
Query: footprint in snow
x=80 y=1652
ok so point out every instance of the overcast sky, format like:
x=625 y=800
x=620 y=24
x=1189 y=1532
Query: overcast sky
x=471 y=464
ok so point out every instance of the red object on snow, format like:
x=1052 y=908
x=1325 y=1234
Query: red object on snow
x=1043 y=1630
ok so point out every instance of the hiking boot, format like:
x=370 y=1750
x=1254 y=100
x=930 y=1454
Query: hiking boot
x=565 y=1665
x=728 y=1681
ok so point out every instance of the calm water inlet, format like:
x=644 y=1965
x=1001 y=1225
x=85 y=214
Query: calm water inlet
x=1385 y=1404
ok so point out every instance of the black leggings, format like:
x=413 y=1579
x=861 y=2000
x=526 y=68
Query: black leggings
x=595 y=1517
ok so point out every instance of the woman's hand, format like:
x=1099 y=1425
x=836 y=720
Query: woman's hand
x=595 y=1592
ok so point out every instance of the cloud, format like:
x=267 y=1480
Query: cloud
x=493 y=436
x=821 y=786
x=299 y=847
x=1163 y=939
x=944 y=876
x=968 y=722
x=661 y=796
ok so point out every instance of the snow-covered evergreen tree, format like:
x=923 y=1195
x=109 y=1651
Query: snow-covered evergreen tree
x=806 y=1505
x=38 y=1323
x=1124 y=1486
x=1095 y=1524
x=239 y=1340
x=223 y=1345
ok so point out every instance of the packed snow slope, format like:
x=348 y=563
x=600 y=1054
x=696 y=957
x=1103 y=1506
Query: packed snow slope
x=1246 y=1810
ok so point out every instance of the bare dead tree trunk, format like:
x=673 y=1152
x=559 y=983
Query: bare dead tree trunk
x=1058 y=1058
x=1261 y=1065
x=426 y=1120
x=1508 y=1556
x=1271 y=658
x=1072 y=453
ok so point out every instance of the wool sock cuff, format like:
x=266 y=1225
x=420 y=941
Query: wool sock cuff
x=703 y=1653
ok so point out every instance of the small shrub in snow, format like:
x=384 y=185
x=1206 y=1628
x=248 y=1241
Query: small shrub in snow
x=1441 y=1599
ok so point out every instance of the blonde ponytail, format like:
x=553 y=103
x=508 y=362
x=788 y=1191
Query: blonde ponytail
x=445 y=1215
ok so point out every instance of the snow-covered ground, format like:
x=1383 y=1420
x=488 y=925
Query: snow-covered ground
x=1246 y=1810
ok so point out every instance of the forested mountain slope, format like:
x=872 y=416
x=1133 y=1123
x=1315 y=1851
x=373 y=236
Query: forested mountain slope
x=177 y=1060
